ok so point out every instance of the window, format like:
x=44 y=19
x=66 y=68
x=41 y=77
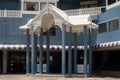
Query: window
x=113 y=25
x=30 y=6
x=111 y=2
x=42 y=5
x=102 y=27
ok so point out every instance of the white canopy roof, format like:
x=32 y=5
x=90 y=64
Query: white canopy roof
x=52 y=15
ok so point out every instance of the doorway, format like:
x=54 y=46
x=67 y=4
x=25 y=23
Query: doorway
x=16 y=62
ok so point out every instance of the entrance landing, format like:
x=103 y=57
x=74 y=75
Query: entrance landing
x=62 y=76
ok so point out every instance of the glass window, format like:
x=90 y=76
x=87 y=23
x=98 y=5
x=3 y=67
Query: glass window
x=111 y=2
x=102 y=27
x=30 y=6
x=113 y=25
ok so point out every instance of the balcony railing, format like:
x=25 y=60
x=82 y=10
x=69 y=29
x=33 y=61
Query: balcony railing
x=94 y=12
x=10 y=13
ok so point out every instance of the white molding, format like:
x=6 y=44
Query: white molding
x=109 y=20
x=113 y=5
x=30 y=12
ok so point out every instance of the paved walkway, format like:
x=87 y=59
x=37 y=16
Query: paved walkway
x=25 y=77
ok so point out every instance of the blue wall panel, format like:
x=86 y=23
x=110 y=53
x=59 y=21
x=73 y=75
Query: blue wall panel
x=10 y=32
x=109 y=15
x=10 y=4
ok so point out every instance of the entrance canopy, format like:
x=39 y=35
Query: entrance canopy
x=42 y=22
x=51 y=15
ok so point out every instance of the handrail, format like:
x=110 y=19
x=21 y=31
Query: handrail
x=10 y=13
x=94 y=11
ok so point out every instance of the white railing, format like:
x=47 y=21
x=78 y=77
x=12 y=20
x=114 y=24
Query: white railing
x=10 y=13
x=94 y=12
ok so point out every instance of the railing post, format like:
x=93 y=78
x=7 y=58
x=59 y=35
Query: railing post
x=5 y=13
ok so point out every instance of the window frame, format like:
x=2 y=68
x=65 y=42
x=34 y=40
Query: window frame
x=104 y=27
x=112 y=27
x=31 y=3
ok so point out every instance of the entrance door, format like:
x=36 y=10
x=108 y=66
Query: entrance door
x=55 y=62
x=16 y=62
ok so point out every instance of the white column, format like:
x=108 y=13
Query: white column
x=22 y=4
x=39 y=6
x=4 y=61
x=106 y=2
x=56 y=4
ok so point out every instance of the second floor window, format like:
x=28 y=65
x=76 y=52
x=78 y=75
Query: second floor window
x=30 y=6
x=102 y=27
x=113 y=25
x=111 y=1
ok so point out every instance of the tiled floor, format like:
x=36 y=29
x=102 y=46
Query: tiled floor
x=28 y=77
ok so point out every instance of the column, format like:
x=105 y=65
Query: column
x=63 y=49
x=22 y=4
x=85 y=50
x=27 y=52
x=41 y=51
x=33 y=55
x=75 y=53
x=4 y=61
x=70 y=53
x=106 y=2
x=90 y=53
x=39 y=6
x=48 y=52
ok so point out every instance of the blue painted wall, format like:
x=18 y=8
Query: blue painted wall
x=10 y=4
x=108 y=15
x=9 y=30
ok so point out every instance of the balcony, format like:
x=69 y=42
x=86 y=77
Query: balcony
x=10 y=13
x=94 y=12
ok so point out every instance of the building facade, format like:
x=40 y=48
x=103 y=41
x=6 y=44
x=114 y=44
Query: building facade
x=105 y=39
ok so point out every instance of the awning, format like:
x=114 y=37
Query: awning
x=23 y=47
x=79 y=21
x=59 y=47
x=107 y=44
